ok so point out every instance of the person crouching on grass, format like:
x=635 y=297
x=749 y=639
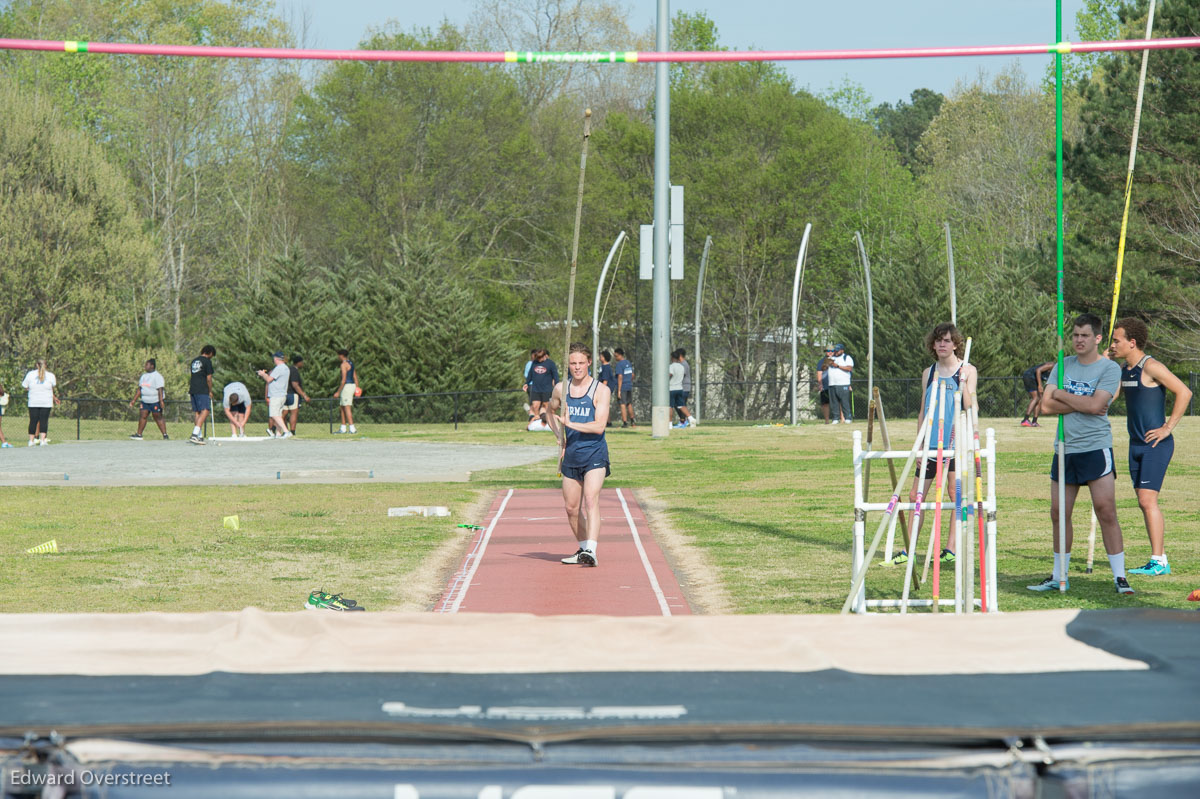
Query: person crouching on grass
x=584 y=459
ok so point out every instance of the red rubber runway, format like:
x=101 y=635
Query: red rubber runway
x=513 y=565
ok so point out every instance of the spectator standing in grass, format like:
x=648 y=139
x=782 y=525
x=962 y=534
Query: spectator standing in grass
x=1090 y=383
x=236 y=402
x=152 y=393
x=3 y=407
x=525 y=387
x=840 y=367
x=1145 y=382
x=295 y=392
x=823 y=381
x=608 y=375
x=347 y=384
x=277 y=386
x=624 y=370
x=689 y=419
x=41 y=385
x=1034 y=379
x=543 y=377
x=200 y=390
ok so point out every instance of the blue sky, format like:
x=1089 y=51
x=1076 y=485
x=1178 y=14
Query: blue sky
x=785 y=25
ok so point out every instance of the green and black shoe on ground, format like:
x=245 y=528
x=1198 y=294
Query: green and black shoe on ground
x=319 y=600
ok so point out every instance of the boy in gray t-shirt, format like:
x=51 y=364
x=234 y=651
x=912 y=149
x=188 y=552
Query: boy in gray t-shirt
x=1090 y=382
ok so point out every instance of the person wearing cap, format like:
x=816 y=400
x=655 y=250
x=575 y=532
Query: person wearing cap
x=839 y=369
x=153 y=395
x=237 y=404
x=277 y=386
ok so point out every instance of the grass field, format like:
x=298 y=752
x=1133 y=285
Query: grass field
x=767 y=509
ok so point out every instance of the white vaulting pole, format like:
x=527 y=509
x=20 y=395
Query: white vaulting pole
x=699 y=370
x=596 y=305
x=797 y=287
x=862 y=251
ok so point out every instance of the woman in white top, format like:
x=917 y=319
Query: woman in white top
x=41 y=385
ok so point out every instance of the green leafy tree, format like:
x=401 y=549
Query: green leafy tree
x=73 y=253
x=906 y=123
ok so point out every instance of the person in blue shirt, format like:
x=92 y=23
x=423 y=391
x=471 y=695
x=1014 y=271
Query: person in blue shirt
x=1145 y=382
x=583 y=402
x=608 y=375
x=624 y=370
x=525 y=387
x=543 y=376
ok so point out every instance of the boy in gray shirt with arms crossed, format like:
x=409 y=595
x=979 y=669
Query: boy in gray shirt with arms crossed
x=1090 y=383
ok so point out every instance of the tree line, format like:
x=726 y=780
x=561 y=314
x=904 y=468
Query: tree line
x=421 y=214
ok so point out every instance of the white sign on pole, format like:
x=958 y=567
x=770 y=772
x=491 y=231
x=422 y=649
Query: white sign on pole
x=676 y=233
x=646 y=248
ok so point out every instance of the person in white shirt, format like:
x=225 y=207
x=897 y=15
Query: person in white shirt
x=277 y=386
x=152 y=393
x=237 y=404
x=839 y=368
x=41 y=384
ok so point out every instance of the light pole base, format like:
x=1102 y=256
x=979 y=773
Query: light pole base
x=660 y=421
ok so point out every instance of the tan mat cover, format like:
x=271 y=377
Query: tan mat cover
x=253 y=641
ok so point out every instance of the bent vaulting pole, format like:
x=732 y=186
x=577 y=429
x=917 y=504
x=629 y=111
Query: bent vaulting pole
x=697 y=368
x=797 y=288
x=596 y=306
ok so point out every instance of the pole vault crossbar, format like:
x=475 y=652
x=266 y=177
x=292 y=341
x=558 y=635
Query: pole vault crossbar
x=590 y=57
x=862 y=507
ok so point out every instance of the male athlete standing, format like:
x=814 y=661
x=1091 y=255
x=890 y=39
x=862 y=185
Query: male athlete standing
x=1145 y=382
x=1090 y=382
x=200 y=390
x=624 y=370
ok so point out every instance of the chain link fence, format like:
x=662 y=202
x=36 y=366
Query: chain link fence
x=720 y=401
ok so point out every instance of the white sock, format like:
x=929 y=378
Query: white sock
x=1117 y=562
x=589 y=545
x=353 y=429
x=1160 y=558
x=343 y=428
x=195 y=431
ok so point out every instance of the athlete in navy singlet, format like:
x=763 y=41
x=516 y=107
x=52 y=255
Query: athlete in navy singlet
x=1145 y=382
x=579 y=415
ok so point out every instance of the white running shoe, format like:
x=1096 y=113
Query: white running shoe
x=692 y=422
x=287 y=434
x=574 y=559
x=587 y=558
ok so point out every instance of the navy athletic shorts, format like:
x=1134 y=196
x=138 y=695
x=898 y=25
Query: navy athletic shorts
x=824 y=396
x=239 y=408
x=1084 y=467
x=1148 y=465
x=1029 y=378
x=201 y=402
x=577 y=472
x=678 y=399
x=540 y=396
x=152 y=407
x=627 y=396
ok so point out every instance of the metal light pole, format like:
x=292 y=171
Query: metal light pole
x=660 y=413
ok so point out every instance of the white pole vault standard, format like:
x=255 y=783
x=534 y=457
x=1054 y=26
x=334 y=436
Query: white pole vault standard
x=596 y=305
x=797 y=288
x=637 y=540
x=698 y=371
x=950 y=266
x=857 y=597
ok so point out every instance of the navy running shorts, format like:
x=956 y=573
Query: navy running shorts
x=577 y=472
x=152 y=407
x=1148 y=465
x=678 y=399
x=540 y=396
x=201 y=402
x=239 y=408
x=1029 y=378
x=1084 y=467
x=824 y=396
x=627 y=396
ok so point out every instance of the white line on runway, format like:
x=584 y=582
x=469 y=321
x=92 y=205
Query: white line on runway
x=637 y=540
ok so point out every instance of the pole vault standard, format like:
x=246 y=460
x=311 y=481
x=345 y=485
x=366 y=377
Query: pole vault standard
x=596 y=306
x=797 y=288
x=699 y=370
